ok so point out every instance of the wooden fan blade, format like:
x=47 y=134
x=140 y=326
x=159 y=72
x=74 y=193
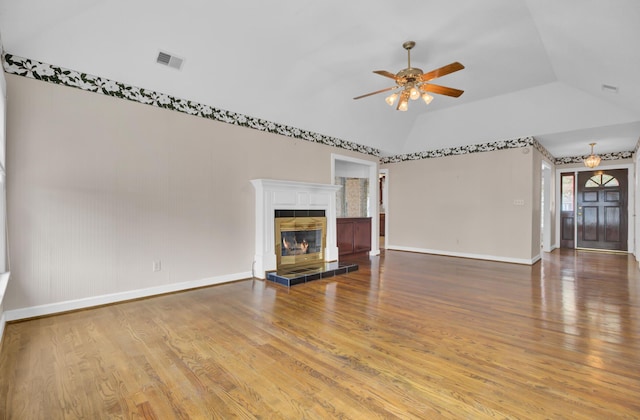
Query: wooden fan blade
x=441 y=90
x=442 y=71
x=375 y=93
x=385 y=74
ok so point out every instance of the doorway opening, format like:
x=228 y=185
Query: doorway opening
x=361 y=176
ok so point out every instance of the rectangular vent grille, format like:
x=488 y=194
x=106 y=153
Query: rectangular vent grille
x=169 y=60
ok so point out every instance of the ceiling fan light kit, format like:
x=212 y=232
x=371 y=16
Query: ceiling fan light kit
x=391 y=98
x=412 y=83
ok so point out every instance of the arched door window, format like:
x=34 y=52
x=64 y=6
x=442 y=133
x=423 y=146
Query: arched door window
x=601 y=180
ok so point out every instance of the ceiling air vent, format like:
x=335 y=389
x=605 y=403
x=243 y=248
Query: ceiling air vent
x=169 y=60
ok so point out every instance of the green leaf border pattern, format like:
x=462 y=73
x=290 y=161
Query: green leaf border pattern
x=462 y=150
x=53 y=74
x=604 y=156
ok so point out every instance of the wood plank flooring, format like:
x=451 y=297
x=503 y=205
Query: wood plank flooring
x=406 y=336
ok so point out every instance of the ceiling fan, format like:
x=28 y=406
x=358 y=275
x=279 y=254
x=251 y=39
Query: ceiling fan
x=412 y=83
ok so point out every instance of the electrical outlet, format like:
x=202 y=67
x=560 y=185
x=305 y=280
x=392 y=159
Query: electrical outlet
x=157 y=266
x=518 y=202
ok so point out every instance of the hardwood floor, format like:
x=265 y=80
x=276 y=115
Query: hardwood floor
x=406 y=336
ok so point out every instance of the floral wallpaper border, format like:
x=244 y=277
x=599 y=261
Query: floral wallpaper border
x=501 y=145
x=462 y=150
x=604 y=156
x=49 y=73
x=544 y=151
x=53 y=74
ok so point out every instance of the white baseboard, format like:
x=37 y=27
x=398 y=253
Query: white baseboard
x=553 y=248
x=70 y=305
x=4 y=281
x=3 y=322
x=465 y=255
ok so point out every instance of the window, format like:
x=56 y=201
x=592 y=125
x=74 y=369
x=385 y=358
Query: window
x=601 y=180
x=567 y=192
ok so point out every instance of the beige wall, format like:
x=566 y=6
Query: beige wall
x=99 y=188
x=464 y=205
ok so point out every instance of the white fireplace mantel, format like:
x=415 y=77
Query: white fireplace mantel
x=274 y=195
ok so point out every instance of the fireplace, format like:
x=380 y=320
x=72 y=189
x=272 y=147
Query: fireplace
x=299 y=240
x=276 y=199
x=300 y=243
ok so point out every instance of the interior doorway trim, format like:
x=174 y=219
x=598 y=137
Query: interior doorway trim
x=547 y=207
x=373 y=194
x=385 y=200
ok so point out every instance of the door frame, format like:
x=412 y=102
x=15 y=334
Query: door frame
x=546 y=207
x=373 y=193
x=630 y=200
x=385 y=198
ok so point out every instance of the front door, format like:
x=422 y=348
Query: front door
x=602 y=209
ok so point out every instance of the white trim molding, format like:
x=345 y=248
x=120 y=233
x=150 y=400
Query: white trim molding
x=4 y=281
x=373 y=199
x=466 y=255
x=72 y=305
x=3 y=323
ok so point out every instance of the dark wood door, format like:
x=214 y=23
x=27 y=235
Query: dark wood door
x=602 y=209
x=344 y=230
x=362 y=236
x=354 y=235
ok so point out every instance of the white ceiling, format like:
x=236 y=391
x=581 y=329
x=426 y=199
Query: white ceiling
x=533 y=67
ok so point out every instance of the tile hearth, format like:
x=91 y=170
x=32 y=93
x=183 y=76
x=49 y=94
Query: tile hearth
x=291 y=277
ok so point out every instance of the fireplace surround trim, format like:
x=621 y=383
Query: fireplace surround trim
x=271 y=195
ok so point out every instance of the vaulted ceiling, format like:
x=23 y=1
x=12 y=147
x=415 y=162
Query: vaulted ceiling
x=532 y=67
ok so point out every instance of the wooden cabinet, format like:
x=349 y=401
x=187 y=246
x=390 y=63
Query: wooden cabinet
x=354 y=235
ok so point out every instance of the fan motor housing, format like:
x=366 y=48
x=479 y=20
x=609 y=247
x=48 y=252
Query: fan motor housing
x=408 y=75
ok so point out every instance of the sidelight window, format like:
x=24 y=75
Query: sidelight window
x=567 y=192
